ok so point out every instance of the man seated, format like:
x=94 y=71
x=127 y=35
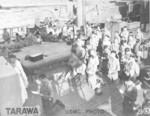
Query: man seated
x=18 y=37
x=30 y=39
x=6 y=36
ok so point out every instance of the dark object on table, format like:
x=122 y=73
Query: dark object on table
x=35 y=57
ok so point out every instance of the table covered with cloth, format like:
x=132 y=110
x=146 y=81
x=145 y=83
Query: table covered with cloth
x=12 y=90
x=53 y=53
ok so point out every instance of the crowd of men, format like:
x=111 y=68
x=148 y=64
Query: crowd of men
x=112 y=56
x=97 y=56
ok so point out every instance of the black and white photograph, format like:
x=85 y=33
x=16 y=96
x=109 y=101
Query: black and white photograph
x=74 y=57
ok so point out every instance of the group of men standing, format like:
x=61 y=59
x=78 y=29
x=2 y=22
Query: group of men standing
x=121 y=54
x=118 y=59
